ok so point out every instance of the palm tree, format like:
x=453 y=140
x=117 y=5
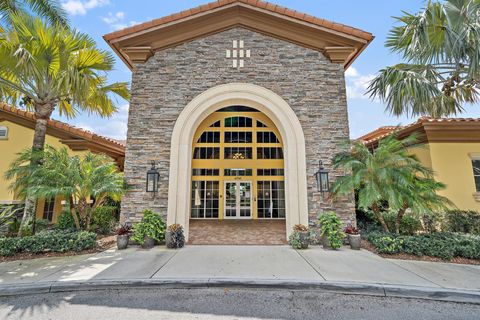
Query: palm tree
x=80 y=179
x=46 y=67
x=416 y=189
x=49 y=9
x=441 y=47
x=388 y=176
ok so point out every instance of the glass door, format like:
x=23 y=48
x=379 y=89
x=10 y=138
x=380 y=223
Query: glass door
x=238 y=200
x=231 y=199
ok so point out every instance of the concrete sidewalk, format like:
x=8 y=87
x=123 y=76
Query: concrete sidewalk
x=240 y=264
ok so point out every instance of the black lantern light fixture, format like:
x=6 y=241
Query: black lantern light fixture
x=323 y=183
x=152 y=178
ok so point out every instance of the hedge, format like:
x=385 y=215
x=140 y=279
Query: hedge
x=49 y=241
x=462 y=221
x=441 y=245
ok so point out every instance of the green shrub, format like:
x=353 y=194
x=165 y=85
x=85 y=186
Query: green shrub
x=9 y=215
x=14 y=226
x=409 y=224
x=8 y=246
x=104 y=219
x=65 y=221
x=462 y=221
x=152 y=225
x=49 y=241
x=441 y=245
x=432 y=221
x=331 y=227
x=41 y=224
x=384 y=243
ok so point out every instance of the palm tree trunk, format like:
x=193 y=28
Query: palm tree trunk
x=82 y=212
x=378 y=214
x=74 y=213
x=42 y=114
x=400 y=215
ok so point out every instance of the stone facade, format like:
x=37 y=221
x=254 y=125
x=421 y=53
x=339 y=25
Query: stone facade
x=313 y=86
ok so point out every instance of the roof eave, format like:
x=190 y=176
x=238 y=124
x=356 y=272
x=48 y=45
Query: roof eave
x=361 y=38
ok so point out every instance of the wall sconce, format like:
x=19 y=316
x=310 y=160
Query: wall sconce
x=152 y=178
x=323 y=183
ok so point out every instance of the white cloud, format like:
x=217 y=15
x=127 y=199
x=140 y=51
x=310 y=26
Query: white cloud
x=114 y=127
x=351 y=72
x=84 y=126
x=357 y=83
x=117 y=20
x=79 y=7
x=114 y=17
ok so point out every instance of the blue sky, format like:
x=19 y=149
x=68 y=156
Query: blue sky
x=98 y=17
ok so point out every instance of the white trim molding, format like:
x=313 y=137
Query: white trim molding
x=262 y=99
x=7 y=202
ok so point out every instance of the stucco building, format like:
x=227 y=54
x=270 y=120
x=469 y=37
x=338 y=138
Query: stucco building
x=448 y=146
x=16 y=134
x=236 y=102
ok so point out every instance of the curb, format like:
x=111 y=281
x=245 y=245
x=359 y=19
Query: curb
x=380 y=290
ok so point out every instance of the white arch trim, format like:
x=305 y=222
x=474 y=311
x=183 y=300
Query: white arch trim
x=249 y=95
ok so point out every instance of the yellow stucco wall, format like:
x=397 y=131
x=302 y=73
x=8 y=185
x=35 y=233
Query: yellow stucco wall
x=452 y=164
x=20 y=138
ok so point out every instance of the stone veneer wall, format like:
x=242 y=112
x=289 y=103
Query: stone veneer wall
x=312 y=86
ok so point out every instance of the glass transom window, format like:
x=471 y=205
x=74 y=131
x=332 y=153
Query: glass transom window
x=237 y=167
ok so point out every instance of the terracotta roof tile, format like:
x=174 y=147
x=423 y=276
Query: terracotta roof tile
x=88 y=135
x=271 y=6
x=420 y=122
x=259 y=4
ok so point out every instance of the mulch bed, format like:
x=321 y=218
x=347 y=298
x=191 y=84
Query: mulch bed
x=103 y=243
x=403 y=256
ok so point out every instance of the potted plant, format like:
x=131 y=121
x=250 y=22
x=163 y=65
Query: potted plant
x=300 y=237
x=174 y=237
x=331 y=230
x=150 y=229
x=123 y=234
x=354 y=238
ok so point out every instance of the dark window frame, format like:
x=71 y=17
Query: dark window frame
x=49 y=209
x=476 y=173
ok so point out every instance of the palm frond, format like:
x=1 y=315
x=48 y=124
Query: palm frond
x=441 y=47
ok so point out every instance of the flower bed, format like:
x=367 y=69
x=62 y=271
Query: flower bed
x=441 y=245
x=48 y=241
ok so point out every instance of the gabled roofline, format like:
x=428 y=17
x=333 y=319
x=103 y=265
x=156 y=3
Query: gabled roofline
x=128 y=44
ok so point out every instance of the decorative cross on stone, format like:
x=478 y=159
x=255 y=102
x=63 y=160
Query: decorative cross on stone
x=238 y=54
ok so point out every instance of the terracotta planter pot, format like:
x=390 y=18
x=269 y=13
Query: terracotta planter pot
x=168 y=238
x=122 y=241
x=149 y=243
x=326 y=242
x=355 y=241
x=304 y=239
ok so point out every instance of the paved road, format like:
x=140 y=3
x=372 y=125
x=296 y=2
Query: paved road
x=226 y=304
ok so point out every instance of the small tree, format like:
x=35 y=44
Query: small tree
x=80 y=179
x=388 y=176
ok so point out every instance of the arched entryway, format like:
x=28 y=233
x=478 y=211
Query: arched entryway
x=237 y=174
x=279 y=118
